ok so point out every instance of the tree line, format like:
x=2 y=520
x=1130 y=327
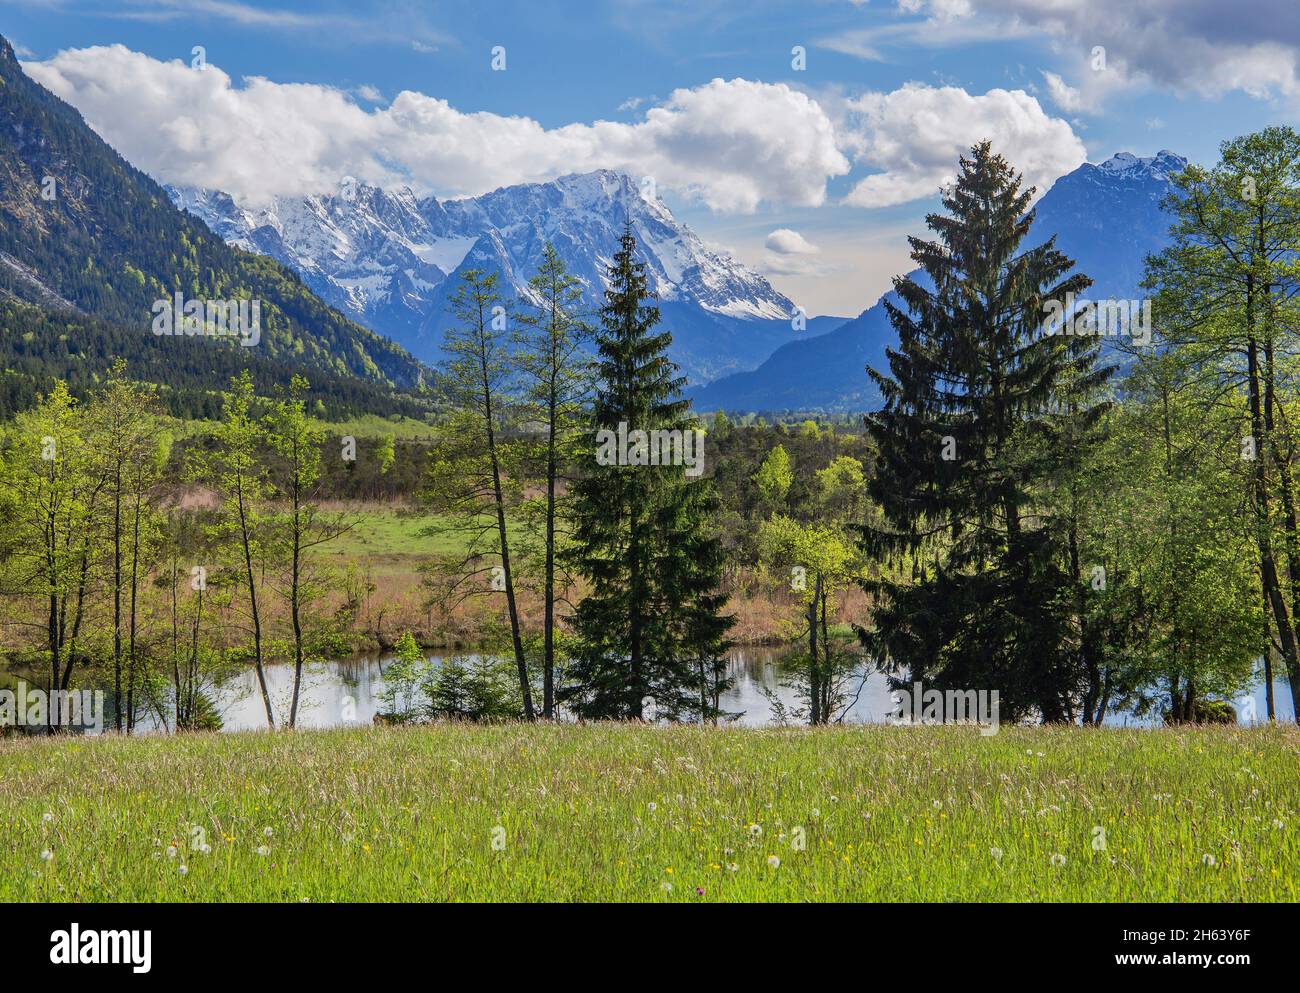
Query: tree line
x=1089 y=529
x=1081 y=540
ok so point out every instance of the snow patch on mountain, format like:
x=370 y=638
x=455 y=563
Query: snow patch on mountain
x=389 y=258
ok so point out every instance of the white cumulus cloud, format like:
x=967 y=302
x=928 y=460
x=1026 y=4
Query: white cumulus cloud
x=1206 y=47
x=784 y=241
x=733 y=144
x=915 y=134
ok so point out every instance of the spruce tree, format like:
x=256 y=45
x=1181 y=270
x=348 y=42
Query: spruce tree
x=965 y=440
x=651 y=625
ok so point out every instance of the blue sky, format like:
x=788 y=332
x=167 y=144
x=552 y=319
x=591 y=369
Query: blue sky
x=703 y=96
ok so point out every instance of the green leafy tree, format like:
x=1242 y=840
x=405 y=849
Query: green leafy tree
x=774 y=476
x=822 y=558
x=1226 y=290
x=469 y=478
x=56 y=517
x=552 y=353
x=234 y=464
x=302 y=526
x=122 y=426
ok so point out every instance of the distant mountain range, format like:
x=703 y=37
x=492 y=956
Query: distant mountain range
x=89 y=245
x=391 y=260
x=1106 y=217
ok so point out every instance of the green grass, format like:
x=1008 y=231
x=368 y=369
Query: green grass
x=391 y=540
x=616 y=812
x=380 y=532
x=398 y=427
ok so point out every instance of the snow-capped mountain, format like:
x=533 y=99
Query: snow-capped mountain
x=391 y=260
x=1107 y=217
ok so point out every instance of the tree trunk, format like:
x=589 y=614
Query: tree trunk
x=251 y=578
x=814 y=678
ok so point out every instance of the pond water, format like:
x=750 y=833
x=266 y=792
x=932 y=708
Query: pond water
x=348 y=692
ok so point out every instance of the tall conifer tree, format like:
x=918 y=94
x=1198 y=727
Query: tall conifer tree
x=651 y=627
x=967 y=435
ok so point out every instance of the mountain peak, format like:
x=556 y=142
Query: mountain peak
x=390 y=259
x=1159 y=166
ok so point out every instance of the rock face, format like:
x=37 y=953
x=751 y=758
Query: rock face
x=391 y=260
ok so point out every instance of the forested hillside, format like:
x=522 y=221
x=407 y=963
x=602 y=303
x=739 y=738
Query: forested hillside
x=84 y=233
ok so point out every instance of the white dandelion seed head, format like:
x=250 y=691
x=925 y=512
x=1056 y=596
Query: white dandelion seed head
x=268 y=832
x=182 y=868
x=996 y=853
x=755 y=830
x=652 y=806
x=46 y=855
x=171 y=851
x=47 y=817
x=774 y=862
x=666 y=886
x=1208 y=860
x=263 y=850
x=1058 y=859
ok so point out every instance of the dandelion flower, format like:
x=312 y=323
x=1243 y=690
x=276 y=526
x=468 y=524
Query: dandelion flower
x=666 y=886
x=182 y=868
x=171 y=851
x=205 y=849
x=755 y=830
x=774 y=862
x=47 y=817
x=263 y=850
x=46 y=855
x=268 y=832
x=1058 y=860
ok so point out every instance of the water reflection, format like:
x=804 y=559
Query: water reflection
x=348 y=692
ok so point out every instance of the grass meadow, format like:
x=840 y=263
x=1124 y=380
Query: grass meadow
x=636 y=813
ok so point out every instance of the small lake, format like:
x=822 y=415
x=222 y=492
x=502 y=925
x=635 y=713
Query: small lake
x=348 y=693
